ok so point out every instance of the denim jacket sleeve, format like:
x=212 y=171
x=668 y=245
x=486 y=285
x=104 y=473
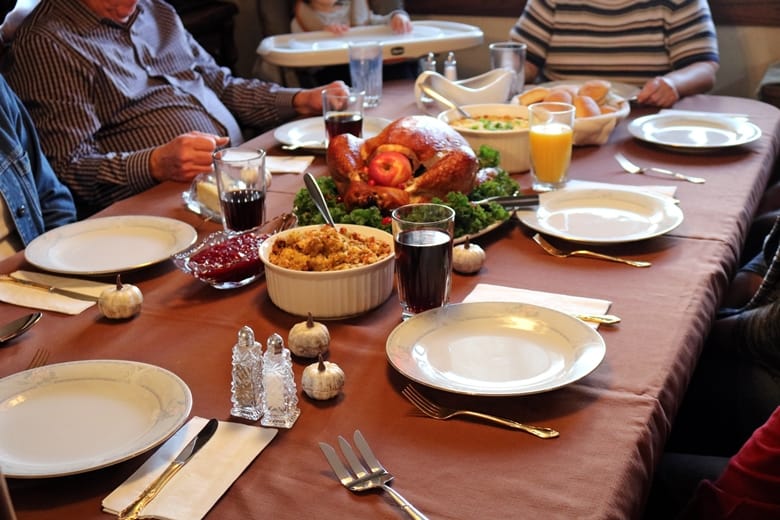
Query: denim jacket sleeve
x=36 y=199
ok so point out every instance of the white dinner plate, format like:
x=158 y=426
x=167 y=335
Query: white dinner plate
x=603 y=215
x=312 y=131
x=694 y=132
x=494 y=349
x=109 y=245
x=74 y=417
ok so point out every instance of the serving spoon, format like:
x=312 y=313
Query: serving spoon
x=440 y=98
x=319 y=199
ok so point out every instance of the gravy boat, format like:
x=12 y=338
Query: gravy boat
x=491 y=87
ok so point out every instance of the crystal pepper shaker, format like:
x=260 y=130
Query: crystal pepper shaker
x=280 y=399
x=247 y=385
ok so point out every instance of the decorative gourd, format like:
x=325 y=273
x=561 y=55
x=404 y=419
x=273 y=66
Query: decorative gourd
x=468 y=258
x=120 y=302
x=322 y=380
x=308 y=338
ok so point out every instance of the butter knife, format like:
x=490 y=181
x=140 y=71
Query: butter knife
x=132 y=511
x=49 y=288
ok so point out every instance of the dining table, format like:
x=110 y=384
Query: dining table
x=613 y=422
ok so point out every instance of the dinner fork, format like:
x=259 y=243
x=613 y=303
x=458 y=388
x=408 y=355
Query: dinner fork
x=633 y=168
x=39 y=359
x=554 y=251
x=436 y=411
x=375 y=476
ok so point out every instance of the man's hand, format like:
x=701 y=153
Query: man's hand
x=308 y=102
x=185 y=156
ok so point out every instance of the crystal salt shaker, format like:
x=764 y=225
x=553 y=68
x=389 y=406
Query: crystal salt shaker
x=247 y=385
x=280 y=399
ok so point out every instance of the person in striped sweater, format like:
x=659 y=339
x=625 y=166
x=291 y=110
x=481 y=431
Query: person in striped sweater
x=668 y=49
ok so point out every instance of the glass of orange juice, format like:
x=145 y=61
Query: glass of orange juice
x=551 y=127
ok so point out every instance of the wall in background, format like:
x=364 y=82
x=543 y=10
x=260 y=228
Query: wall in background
x=745 y=51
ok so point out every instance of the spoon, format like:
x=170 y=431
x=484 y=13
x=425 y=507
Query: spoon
x=18 y=326
x=438 y=97
x=319 y=200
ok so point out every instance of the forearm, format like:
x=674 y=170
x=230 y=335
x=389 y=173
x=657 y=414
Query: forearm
x=696 y=78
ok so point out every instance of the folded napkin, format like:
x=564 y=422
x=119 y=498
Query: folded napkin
x=288 y=164
x=560 y=302
x=574 y=184
x=194 y=490
x=38 y=298
x=700 y=113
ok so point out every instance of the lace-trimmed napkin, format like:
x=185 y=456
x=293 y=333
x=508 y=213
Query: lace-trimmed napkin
x=560 y=302
x=38 y=298
x=194 y=490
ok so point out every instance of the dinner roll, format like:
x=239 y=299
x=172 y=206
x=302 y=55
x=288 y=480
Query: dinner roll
x=585 y=106
x=596 y=89
x=534 y=95
x=559 y=95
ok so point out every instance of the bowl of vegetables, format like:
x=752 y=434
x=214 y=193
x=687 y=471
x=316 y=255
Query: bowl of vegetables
x=499 y=126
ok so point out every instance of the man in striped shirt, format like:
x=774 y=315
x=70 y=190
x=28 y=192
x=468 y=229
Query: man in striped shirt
x=123 y=97
x=669 y=48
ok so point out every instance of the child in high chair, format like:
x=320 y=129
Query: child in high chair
x=337 y=16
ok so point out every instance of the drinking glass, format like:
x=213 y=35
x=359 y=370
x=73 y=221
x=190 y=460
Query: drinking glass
x=343 y=113
x=241 y=187
x=365 y=70
x=510 y=56
x=550 y=141
x=423 y=256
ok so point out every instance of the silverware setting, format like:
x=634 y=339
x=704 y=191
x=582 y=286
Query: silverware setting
x=132 y=511
x=630 y=167
x=554 y=251
x=431 y=409
x=39 y=359
x=50 y=288
x=319 y=199
x=364 y=477
x=510 y=202
x=19 y=326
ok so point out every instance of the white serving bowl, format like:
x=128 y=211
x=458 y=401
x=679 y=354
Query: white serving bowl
x=512 y=145
x=330 y=294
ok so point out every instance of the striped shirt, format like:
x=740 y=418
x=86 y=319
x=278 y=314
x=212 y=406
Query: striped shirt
x=103 y=95
x=621 y=40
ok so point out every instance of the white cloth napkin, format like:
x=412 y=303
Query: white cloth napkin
x=574 y=184
x=699 y=113
x=194 y=490
x=560 y=302
x=288 y=164
x=36 y=298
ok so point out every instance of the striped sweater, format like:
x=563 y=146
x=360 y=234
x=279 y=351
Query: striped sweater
x=620 y=40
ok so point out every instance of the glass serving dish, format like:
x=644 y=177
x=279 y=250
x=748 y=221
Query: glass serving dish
x=230 y=260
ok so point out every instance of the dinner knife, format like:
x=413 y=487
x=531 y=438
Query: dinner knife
x=132 y=511
x=50 y=288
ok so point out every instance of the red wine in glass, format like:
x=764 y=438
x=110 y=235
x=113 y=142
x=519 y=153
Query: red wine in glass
x=343 y=123
x=423 y=259
x=243 y=209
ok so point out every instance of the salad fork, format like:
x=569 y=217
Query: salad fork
x=436 y=411
x=554 y=251
x=362 y=478
x=630 y=167
x=39 y=359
